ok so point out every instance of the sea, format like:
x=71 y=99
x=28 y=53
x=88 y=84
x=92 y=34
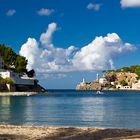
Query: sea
x=111 y=109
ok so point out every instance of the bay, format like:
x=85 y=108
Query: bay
x=113 y=109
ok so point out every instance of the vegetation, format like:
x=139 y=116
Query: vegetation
x=133 y=69
x=31 y=73
x=111 y=77
x=6 y=80
x=123 y=83
x=11 y=60
x=9 y=80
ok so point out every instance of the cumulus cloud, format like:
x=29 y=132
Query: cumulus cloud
x=45 y=12
x=11 y=12
x=97 y=55
x=46 y=38
x=130 y=3
x=31 y=51
x=92 y=6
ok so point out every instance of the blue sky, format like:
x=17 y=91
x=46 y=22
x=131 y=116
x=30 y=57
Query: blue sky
x=73 y=23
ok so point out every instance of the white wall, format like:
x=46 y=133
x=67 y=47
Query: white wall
x=17 y=78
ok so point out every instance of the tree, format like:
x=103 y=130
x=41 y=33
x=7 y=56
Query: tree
x=8 y=55
x=123 y=83
x=12 y=61
x=111 y=77
x=31 y=73
x=9 y=80
x=20 y=64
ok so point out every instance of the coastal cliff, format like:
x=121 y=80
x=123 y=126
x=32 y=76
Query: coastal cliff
x=127 y=78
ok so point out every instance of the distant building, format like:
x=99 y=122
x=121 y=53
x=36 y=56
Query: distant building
x=103 y=80
x=97 y=77
x=136 y=85
x=122 y=87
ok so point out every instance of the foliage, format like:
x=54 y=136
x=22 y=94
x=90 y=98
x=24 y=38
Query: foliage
x=123 y=83
x=20 y=64
x=31 y=73
x=111 y=77
x=133 y=69
x=6 y=80
x=9 y=80
x=12 y=60
x=1 y=79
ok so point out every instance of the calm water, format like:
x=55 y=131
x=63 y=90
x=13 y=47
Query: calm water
x=119 y=109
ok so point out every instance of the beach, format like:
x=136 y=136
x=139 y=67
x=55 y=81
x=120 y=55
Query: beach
x=17 y=93
x=11 y=132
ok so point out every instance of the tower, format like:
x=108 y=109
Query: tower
x=97 y=77
x=83 y=80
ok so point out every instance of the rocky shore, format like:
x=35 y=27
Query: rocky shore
x=11 y=132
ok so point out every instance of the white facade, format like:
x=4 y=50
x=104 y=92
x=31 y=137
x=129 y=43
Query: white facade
x=102 y=81
x=122 y=87
x=16 y=77
x=136 y=85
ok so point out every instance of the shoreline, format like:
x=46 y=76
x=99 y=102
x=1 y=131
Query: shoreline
x=18 y=93
x=34 y=93
x=25 y=132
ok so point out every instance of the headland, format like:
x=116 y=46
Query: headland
x=126 y=78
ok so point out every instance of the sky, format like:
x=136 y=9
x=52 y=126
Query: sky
x=68 y=40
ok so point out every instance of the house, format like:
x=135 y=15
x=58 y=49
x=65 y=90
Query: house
x=136 y=85
x=103 y=80
x=122 y=87
x=19 y=81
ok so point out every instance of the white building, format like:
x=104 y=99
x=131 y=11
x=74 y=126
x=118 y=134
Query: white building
x=122 y=87
x=136 y=85
x=102 y=81
x=17 y=78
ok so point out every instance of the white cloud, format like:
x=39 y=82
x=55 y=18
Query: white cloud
x=45 y=12
x=97 y=55
x=31 y=51
x=11 y=12
x=130 y=3
x=92 y=6
x=46 y=38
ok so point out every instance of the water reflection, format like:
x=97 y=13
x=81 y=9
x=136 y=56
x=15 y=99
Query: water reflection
x=5 y=101
x=92 y=111
x=12 y=110
x=72 y=109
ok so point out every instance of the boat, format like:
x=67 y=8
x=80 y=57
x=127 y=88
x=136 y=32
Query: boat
x=99 y=92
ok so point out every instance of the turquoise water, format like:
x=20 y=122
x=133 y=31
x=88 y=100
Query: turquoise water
x=115 y=109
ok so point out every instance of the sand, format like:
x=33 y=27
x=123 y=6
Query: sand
x=17 y=93
x=11 y=132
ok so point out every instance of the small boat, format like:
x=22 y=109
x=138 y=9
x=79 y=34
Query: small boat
x=99 y=92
